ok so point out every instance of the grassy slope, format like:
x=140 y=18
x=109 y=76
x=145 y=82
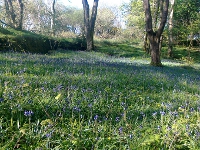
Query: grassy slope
x=26 y=41
x=92 y=100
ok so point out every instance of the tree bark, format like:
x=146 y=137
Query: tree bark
x=154 y=36
x=146 y=44
x=14 y=20
x=21 y=6
x=89 y=23
x=10 y=12
x=53 y=12
x=156 y=13
x=170 y=28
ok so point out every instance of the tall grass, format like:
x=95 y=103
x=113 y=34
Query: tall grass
x=89 y=100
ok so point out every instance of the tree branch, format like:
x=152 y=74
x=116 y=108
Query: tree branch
x=164 y=14
x=94 y=14
x=148 y=17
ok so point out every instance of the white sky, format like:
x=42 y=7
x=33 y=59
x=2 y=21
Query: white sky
x=78 y=3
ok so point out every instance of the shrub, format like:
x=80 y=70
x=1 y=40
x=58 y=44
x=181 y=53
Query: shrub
x=25 y=41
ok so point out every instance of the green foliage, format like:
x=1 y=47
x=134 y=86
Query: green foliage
x=186 y=16
x=89 y=100
x=69 y=19
x=133 y=14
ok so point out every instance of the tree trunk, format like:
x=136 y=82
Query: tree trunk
x=13 y=20
x=155 y=50
x=10 y=13
x=156 y=13
x=154 y=36
x=21 y=6
x=89 y=23
x=6 y=5
x=53 y=12
x=90 y=41
x=146 y=44
x=170 y=28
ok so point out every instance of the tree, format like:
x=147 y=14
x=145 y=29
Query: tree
x=133 y=14
x=69 y=21
x=187 y=19
x=10 y=13
x=37 y=17
x=21 y=14
x=14 y=13
x=53 y=16
x=154 y=36
x=106 y=22
x=89 y=23
x=170 y=28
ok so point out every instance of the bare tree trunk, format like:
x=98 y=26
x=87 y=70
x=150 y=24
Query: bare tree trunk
x=156 y=13
x=154 y=36
x=14 y=22
x=10 y=13
x=89 y=23
x=21 y=6
x=146 y=44
x=53 y=12
x=170 y=28
x=155 y=50
x=6 y=5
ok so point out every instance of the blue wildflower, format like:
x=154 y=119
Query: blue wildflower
x=120 y=130
x=90 y=105
x=105 y=118
x=130 y=136
x=143 y=115
x=96 y=117
x=48 y=135
x=77 y=109
x=123 y=104
x=1 y=99
x=191 y=109
x=154 y=114
x=168 y=128
x=197 y=133
x=28 y=113
x=198 y=108
x=187 y=127
x=175 y=113
x=162 y=113
x=30 y=101
x=117 y=119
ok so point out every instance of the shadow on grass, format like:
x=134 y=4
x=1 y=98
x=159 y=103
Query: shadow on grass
x=120 y=49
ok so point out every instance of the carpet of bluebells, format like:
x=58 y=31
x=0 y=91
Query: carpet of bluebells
x=87 y=100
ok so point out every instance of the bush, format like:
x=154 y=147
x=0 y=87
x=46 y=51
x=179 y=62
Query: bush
x=78 y=43
x=187 y=42
x=25 y=41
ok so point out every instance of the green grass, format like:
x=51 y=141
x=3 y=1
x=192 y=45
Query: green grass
x=184 y=53
x=91 y=100
x=120 y=48
x=134 y=49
